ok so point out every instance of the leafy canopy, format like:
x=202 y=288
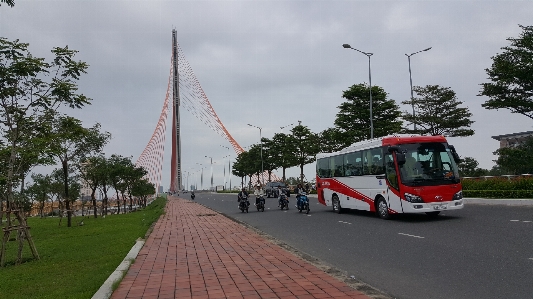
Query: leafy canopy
x=437 y=112
x=511 y=76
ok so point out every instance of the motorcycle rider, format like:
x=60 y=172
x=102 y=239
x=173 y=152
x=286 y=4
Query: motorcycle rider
x=258 y=192
x=299 y=190
x=280 y=192
x=192 y=194
x=242 y=194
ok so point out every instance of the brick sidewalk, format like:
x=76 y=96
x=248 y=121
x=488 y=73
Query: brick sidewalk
x=194 y=252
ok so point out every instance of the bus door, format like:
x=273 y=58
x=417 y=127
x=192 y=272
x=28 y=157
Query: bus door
x=393 y=185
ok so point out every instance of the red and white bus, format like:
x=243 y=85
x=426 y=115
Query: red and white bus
x=390 y=175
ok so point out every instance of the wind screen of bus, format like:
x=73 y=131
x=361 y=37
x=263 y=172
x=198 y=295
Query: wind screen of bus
x=428 y=164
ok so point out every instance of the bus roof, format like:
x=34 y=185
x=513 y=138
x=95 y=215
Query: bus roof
x=384 y=141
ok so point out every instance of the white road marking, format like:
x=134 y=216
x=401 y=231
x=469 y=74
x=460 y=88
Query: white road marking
x=309 y=215
x=514 y=220
x=411 y=235
x=531 y=258
x=526 y=221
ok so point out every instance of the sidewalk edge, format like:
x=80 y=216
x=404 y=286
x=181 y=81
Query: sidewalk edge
x=106 y=290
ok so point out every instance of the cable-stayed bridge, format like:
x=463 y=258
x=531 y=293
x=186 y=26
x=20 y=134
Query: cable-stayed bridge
x=183 y=90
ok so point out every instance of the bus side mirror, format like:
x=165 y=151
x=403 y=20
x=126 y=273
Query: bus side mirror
x=400 y=158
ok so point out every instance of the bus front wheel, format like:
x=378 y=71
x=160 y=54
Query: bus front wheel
x=336 y=204
x=382 y=209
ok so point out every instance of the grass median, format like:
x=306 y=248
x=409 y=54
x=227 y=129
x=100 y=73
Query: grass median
x=75 y=261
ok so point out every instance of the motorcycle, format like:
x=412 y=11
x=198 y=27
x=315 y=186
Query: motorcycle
x=193 y=196
x=243 y=203
x=260 y=205
x=303 y=203
x=284 y=202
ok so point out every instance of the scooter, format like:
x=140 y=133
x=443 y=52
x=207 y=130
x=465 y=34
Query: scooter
x=260 y=205
x=303 y=203
x=243 y=203
x=284 y=202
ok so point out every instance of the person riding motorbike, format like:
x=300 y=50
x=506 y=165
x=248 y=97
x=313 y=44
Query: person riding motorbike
x=299 y=190
x=280 y=192
x=258 y=192
x=241 y=196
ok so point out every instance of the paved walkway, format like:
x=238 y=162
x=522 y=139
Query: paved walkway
x=194 y=252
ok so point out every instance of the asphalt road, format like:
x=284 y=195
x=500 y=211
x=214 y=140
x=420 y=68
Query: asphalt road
x=482 y=251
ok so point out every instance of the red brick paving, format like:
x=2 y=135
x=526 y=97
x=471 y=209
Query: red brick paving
x=196 y=253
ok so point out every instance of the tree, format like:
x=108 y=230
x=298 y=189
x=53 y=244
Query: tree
x=239 y=167
x=282 y=147
x=118 y=165
x=469 y=167
x=516 y=160
x=30 y=88
x=8 y=2
x=142 y=189
x=71 y=143
x=333 y=139
x=437 y=112
x=353 y=119
x=40 y=190
x=511 y=76
x=90 y=174
x=269 y=159
x=305 y=147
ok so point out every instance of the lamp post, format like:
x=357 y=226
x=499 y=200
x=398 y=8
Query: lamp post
x=211 y=171
x=346 y=46
x=229 y=173
x=411 y=80
x=260 y=139
x=201 y=177
x=285 y=127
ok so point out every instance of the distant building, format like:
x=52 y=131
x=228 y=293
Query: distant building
x=514 y=139
x=160 y=189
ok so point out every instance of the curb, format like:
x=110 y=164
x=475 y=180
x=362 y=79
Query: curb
x=106 y=290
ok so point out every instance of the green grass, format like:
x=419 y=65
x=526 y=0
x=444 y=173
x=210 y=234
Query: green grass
x=75 y=261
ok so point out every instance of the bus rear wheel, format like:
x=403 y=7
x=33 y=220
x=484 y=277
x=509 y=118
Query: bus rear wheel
x=382 y=209
x=336 y=204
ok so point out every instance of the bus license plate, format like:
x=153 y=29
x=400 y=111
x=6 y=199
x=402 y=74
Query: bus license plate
x=440 y=207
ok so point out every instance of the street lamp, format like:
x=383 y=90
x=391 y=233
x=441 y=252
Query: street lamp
x=201 y=177
x=260 y=139
x=211 y=171
x=346 y=46
x=229 y=173
x=411 y=80
x=285 y=127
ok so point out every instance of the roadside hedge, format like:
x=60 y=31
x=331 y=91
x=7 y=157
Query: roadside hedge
x=498 y=187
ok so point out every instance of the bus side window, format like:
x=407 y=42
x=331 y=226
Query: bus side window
x=352 y=164
x=390 y=171
x=367 y=162
x=338 y=166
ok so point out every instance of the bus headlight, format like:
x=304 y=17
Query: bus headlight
x=458 y=195
x=413 y=198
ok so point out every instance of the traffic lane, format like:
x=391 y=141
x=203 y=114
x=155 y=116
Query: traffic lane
x=455 y=258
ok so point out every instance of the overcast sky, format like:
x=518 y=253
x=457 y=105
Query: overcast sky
x=269 y=63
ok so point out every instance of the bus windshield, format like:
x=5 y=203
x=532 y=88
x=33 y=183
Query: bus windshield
x=428 y=164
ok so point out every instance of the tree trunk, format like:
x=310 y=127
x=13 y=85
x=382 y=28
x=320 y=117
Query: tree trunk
x=93 y=198
x=67 y=199
x=301 y=173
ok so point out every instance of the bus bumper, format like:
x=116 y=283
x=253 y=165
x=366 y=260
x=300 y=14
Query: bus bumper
x=409 y=207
